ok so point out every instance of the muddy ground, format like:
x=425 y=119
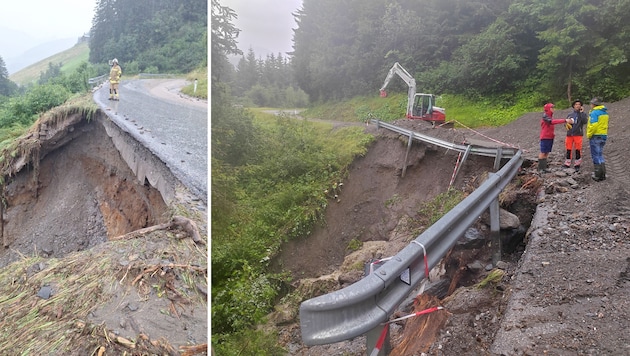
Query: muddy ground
x=564 y=290
x=81 y=196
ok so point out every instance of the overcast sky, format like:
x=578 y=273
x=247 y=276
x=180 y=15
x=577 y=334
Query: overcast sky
x=266 y=25
x=48 y=19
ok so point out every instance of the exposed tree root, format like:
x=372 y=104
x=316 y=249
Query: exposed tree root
x=186 y=224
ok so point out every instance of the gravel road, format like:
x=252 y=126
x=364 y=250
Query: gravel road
x=173 y=127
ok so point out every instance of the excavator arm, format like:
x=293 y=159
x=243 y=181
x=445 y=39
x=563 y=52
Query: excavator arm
x=404 y=75
x=419 y=105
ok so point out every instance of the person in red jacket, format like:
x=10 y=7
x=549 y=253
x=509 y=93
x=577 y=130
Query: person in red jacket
x=547 y=134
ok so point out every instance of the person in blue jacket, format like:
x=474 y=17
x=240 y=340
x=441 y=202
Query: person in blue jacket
x=597 y=133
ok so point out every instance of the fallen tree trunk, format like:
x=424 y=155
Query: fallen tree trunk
x=186 y=224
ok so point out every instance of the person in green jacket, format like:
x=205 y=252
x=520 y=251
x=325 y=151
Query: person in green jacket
x=114 y=78
x=597 y=133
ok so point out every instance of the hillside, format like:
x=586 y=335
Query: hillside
x=70 y=59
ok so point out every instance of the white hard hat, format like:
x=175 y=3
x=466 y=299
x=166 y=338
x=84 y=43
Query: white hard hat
x=114 y=60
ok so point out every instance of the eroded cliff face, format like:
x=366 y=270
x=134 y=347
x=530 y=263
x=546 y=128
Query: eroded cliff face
x=71 y=190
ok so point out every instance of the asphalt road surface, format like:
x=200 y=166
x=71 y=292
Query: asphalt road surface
x=174 y=128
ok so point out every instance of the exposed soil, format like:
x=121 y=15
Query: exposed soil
x=563 y=286
x=78 y=198
x=85 y=193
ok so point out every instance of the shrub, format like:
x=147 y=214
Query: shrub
x=24 y=110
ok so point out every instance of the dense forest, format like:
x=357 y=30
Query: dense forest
x=267 y=82
x=501 y=48
x=562 y=49
x=160 y=35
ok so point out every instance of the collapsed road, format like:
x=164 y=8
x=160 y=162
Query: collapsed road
x=172 y=127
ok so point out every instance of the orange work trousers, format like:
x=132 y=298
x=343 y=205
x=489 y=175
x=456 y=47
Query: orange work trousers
x=573 y=142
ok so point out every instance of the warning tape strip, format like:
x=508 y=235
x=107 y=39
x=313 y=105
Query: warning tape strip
x=489 y=138
x=426 y=262
x=422 y=312
x=381 y=340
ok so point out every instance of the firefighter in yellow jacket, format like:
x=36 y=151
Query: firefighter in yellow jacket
x=114 y=78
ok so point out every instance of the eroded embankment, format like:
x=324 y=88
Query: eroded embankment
x=72 y=183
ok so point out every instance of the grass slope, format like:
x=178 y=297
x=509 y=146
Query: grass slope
x=70 y=59
x=492 y=111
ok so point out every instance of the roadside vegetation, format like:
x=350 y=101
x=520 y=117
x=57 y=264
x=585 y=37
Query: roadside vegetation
x=201 y=76
x=274 y=191
x=461 y=110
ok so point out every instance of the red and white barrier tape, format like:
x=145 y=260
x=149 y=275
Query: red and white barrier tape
x=380 y=342
x=426 y=262
x=489 y=138
x=422 y=312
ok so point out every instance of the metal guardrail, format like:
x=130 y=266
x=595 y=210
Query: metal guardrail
x=156 y=76
x=96 y=81
x=102 y=78
x=364 y=305
x=506 y=152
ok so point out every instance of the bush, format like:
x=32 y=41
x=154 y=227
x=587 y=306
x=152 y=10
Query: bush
x=131 y=68
x=151 y=70
x=25 y=109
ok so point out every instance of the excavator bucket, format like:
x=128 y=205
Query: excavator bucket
x=383 y=93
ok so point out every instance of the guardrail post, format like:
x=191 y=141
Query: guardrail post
x=497 y=159
x=373 y=336
x=495 y=233
x=404 y=168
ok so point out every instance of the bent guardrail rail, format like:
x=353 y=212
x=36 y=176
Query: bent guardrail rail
x=506 y=152
x=364 y=305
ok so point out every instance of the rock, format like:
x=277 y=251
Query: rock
x=283 y=314
x=313 y=287
x=45 y=292
x=476 y=266
x=472 y=239
x=369 y=250
x=350 y=277
x=507 y=220
x=502 y=265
